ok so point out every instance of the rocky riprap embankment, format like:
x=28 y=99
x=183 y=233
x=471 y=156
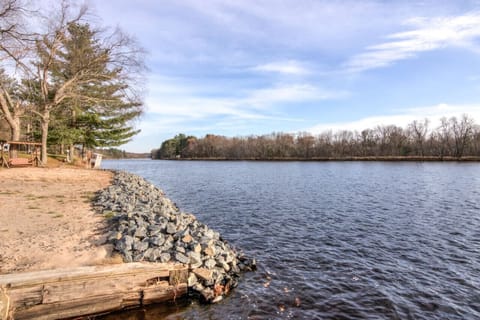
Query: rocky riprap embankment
x=147 y=226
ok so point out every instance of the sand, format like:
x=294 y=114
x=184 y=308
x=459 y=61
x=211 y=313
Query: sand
x=46 y=219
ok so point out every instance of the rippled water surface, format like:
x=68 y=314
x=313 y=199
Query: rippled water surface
x=334 y=240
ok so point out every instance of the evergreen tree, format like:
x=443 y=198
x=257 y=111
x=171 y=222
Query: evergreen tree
x=100 y=110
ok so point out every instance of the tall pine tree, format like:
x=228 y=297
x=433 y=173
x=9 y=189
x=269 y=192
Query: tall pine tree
x=99 y=110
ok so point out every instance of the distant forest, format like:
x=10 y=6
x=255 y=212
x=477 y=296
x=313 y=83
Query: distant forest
x=454 y=139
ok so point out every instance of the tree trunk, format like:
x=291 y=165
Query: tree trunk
x=14 y=135
x=71 y=149
x=11 y=112
x=44 y=124
x=15 y=129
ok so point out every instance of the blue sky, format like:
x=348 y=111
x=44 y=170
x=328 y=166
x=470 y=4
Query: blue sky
x=245 y=67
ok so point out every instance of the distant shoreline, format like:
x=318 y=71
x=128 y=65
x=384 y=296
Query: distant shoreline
x=341 y=159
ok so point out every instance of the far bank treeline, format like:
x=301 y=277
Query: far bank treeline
x=455 y=138
x=66 y=80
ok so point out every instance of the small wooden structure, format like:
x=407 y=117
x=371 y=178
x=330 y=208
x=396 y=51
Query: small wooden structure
x=96 y=161
x=14 y=161
x=82 y=291
x=3 y=151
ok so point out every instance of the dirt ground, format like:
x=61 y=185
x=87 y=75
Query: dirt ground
x=46 y=219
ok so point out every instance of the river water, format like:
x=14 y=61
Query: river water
x=334 y=240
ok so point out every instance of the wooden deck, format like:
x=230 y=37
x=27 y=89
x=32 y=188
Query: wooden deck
x=83 y=291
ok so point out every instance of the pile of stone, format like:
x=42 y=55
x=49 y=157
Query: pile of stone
x=147 y=226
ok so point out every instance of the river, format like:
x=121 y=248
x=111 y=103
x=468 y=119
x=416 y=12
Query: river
x=334 y=240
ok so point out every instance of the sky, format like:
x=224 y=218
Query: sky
x=249 y=67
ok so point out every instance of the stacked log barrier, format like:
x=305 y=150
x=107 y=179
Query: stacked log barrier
x=84 y=291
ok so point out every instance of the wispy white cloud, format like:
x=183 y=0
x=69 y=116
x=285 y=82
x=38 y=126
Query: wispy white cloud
x=289 y=67
x=169 y=97
x=196 y=108
x=427 y=34
x=403 y=118
x=297 y=93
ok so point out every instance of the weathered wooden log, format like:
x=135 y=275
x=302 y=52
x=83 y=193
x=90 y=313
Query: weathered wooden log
x=81 y=291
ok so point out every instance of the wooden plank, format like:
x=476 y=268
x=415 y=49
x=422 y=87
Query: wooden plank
x=178 y=276
x=64 y=293
x=26 y=143
x=41 y=277
x=4 y=304
x=67 y=290
x=26 y=297
x=163 y=293
x=74 y=308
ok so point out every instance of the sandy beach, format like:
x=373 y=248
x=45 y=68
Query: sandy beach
x=46 y=219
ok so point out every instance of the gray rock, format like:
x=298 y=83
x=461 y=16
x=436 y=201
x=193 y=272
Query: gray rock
x=223 y=265
x=180 y=257
x=197 y=247
x=167 y=245
x=127 y=256
x=157 y=240
x=171 y=228
x=149 y=254
x=154 y=229
x=210 y=263
x=141 y=232
x=180 y=249
x=209 y=251
x=138 y=257
x=208 y=294
x=165 y=257
x=140 y=246
x=125 y=243
x=198 y=287
x=195 y=259
x=228 y=256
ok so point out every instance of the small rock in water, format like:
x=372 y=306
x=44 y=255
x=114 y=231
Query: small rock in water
x=192 y=279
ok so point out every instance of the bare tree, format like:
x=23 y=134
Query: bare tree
x=418 y=131
x=14 y=44
x=305 y=145
x=12 y=29
x=462 y=133
x=11 y=105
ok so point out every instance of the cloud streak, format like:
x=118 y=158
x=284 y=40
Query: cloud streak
x=289 y=67
x=427 y=34
x=176 y=100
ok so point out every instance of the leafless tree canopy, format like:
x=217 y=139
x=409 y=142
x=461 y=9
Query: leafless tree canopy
x=454 y=138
